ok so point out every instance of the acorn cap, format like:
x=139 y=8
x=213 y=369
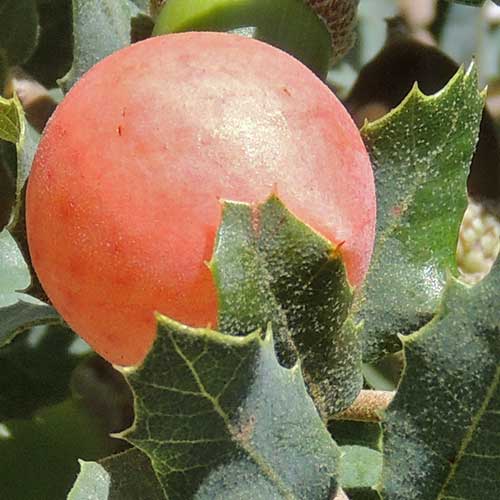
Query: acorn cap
x=155 y=6
x=339 y=17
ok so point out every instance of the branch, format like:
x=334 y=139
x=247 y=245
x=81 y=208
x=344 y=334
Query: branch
x=368 y=407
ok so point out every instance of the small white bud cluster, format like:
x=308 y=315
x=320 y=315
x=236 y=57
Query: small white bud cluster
x=478 y=243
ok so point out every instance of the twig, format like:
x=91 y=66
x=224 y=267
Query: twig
x=367 y=407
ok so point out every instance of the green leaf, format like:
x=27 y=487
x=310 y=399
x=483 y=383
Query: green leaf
x=11 y=113
x=18 y=29
x=290 y=25
x=18 y=317
x=38 y=457
x=14 y=128
x=360 y=470
x=18 y=311
x=421 y=153
x=36 y=370
x=126 y=484
x=100 y=27
x=269 y=267
x=443 y=423
x=218 y=416
x=14 y=274
x=25 y=148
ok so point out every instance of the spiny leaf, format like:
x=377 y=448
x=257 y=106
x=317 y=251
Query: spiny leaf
x=245 y=300
x=271 y=268
x=100 y=27
x=126 y=483
x=421 y=153
x=441 y=431
x=214 y=414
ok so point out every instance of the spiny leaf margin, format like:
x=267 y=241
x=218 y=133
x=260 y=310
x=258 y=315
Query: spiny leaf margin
x=211 y=410
x=271 y=268
x=421 y=152
x=443 y=422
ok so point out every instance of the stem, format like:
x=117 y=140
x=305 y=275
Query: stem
x=367 y=407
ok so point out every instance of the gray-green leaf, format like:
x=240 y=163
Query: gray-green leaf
x=18 y=311
x=92 y=483
x=100 y=27
x=441 y=431
x=360 y=472
x=421 y=153
x=218 y=415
